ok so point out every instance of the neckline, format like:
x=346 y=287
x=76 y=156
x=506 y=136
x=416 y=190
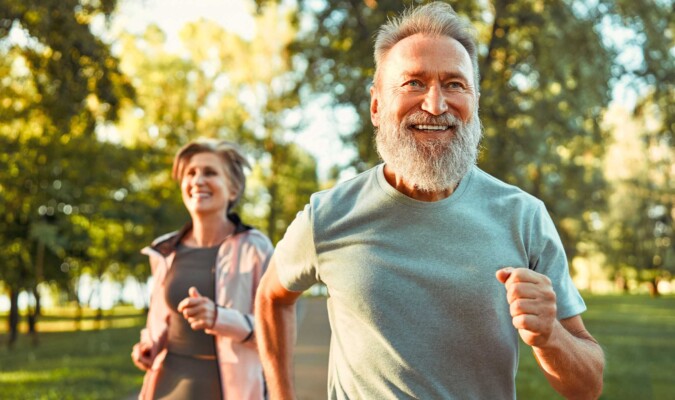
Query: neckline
x=409 y=201
x=188 y=247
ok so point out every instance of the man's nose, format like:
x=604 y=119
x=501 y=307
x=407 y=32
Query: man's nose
x=435 y=102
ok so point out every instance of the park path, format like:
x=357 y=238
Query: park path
x=311 y=350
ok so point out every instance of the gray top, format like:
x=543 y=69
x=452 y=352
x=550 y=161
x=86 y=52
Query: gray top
x=414 y=305
x=191 y=267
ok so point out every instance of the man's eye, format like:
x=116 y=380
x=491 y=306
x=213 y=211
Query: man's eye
x=455 y=85
x=415 y=83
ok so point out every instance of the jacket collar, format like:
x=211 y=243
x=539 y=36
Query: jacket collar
x=168 y=245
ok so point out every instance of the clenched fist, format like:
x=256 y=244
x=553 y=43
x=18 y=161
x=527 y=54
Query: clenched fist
x=532 y=303
x=199 y=311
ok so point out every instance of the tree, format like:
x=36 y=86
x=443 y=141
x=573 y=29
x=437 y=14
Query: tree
x=638 y=227
x=61 y=80
x=223 y=86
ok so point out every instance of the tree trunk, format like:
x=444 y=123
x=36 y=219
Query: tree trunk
x=654 y=287
x=78 y=316
x=13 y=316
x=33 y=314
x=75 y=292
x=621 y=283
x=99 y=309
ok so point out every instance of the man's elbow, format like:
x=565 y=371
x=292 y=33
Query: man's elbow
x=592 y=387
x=599 y=378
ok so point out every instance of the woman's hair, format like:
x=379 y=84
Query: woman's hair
x=233 y=161
x=433 y=19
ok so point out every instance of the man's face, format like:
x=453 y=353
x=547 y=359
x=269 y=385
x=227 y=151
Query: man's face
x=424 y=107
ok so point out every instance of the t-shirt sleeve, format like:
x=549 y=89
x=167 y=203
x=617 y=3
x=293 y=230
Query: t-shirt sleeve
x=295 y=255
x=549 y=259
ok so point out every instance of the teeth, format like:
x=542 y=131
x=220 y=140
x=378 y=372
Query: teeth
x=200 y=195
x=432 y=127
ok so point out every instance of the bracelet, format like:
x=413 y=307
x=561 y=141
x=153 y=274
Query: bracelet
x=250 y=327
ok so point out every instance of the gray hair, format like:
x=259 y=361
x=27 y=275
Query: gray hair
x=433 y=19
x=233 y=161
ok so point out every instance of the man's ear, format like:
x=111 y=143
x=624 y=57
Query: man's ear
x=374 y=105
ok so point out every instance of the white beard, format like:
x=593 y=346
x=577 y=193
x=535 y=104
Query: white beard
x=431 y=166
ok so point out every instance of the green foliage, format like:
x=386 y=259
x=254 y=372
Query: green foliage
x=279 y=187
x=638 y=226
x=68 y=63
x=224 y=87
x=84 y=192
x=59 y=81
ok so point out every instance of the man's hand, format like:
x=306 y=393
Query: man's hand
x=199 y=311
x=532 y=303
x=141 y=354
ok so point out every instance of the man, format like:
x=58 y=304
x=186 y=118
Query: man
x=433 y=267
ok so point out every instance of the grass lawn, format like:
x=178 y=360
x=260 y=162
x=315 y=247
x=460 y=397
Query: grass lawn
x=86 y=364
x=638 y=336
x=637 y=333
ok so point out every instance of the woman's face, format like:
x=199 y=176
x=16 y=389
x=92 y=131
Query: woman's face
x=205 y=187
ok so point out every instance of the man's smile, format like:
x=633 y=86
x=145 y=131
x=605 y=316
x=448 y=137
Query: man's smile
x=431 y=127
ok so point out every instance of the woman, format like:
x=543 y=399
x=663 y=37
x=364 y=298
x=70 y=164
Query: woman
x=199 y=338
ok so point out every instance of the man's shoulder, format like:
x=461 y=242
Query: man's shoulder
x=497 y=189
x=347 y=190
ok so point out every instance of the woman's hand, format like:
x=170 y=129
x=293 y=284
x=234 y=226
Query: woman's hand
x=199 y=311
x=141 y=354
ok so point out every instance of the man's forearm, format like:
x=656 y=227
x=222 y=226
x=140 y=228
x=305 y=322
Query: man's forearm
x=275 y=324
x=573 y=363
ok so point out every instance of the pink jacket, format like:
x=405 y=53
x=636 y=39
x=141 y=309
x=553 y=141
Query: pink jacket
x=242 y=259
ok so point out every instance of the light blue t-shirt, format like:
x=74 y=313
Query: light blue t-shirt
x=414 y=305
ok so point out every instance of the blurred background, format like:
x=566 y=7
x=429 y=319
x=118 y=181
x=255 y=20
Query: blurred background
x=577 y=104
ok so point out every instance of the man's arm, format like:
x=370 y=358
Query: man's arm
x=275 y=322
x=572 y=360
x=569 y=356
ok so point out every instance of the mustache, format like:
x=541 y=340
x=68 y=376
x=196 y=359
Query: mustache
x=423 y=118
